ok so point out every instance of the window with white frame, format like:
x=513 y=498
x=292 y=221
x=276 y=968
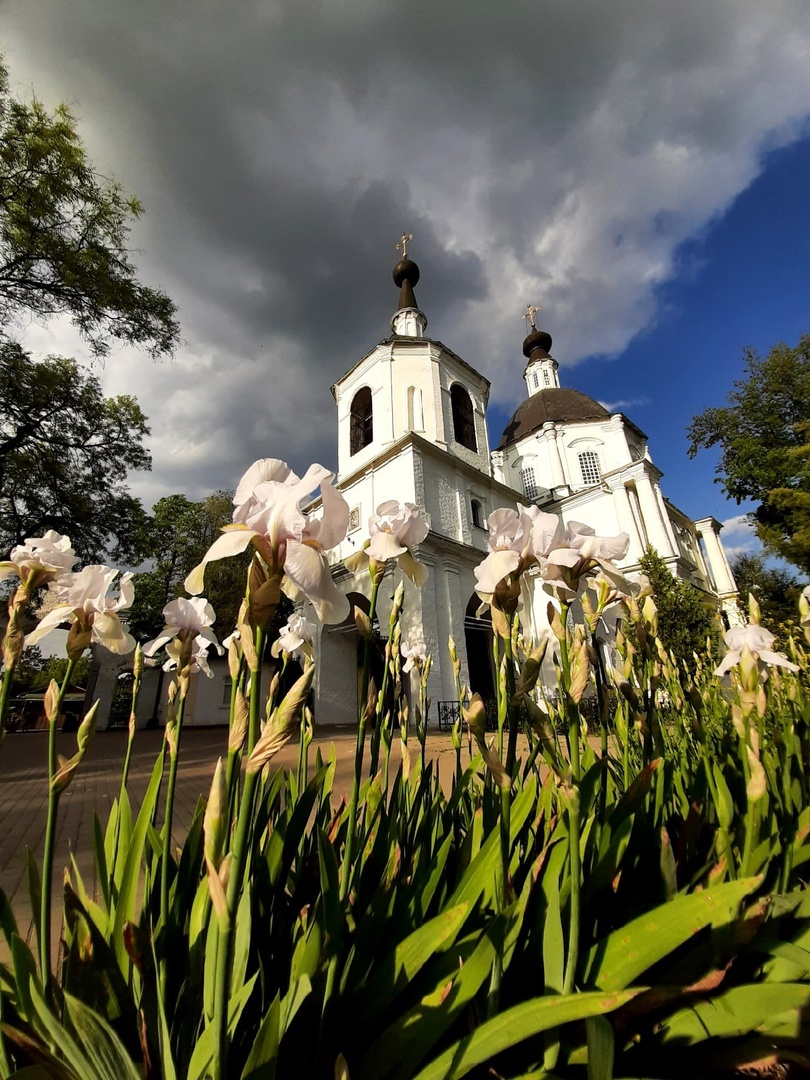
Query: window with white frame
x=535 y=380
x=529 y=482
x=546 y=377
x=589 y=466
x=477 y=514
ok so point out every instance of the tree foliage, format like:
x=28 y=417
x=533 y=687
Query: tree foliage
x=775 y=589
x=65 y=450
x=64 y=234
x=764 y=441
x=685 y=618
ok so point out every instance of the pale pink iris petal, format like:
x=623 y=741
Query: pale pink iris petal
x=232 y=542
x=728 y=662
x=163 y=638
x=414 y=528
x=504 y=528
x=53 y=618
x=260 y=471
x=564 y=557
x=330 y=529
x=384 y=546
x=546 y=531
x=413 y=569
x=777 y=659
x=495 y=567
x=308 y=571
x=108 y=631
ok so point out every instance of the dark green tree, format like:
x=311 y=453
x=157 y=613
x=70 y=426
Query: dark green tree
x=685 y=617
x=762 y=435
x=65 y=450
x=64 y=235
x=775 y=589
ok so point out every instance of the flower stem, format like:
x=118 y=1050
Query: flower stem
x=351 y=832
x=240 y=852
x=174 y=755
x=50 y=833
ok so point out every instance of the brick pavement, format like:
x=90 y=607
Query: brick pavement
x=23 y=794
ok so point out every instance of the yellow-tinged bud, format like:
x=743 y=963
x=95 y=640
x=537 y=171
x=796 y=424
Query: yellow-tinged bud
x=215 y=819
x=555 y=622
x=233 y=659
x=282 y=723
x=67 y=767
x=341 y=1068
x=172 y=691
x=137 y=661
x=78 y=639
x=239 y=722
x=171 y=737
x=51 y=702
x=650 y=613
x=749 y=669
x=754 y=612
x=362 y=622
x=580 y=667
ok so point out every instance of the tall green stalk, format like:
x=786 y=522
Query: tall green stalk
x=351 y=832
x=50 y=830
x=174 y=756
x=239 y=855
x=574 y=824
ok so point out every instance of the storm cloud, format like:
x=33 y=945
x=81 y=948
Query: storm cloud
x=555 y=152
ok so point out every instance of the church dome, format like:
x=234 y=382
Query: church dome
x=558 y=404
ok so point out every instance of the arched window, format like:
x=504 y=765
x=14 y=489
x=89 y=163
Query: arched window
x=463 y=420
x=529 y=482
x=589 y=464
x=361 y=431
x=416 y=416
x=477 y=514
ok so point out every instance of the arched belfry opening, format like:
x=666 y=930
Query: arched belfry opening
x=478 y=639
x=362 y=420
x=463 y=417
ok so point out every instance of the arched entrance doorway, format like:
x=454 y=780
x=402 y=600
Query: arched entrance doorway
x=342 y=652
x=478 y=639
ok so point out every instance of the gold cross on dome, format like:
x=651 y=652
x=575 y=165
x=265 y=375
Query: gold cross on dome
x=404 y=240
x=528 y=316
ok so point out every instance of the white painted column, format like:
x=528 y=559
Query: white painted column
x=627 y=523
x=666 y=518
x=496 y=458
x=709 y=529
x=653 y=521
x=554 y=459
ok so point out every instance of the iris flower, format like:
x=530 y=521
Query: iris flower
x=187 y=635
x=517 y=539
x=85 y=600
x=39 y=559
x=415 y=656
x=393 y=531
x=268 y=515
x=295 y=637
x=758 y=640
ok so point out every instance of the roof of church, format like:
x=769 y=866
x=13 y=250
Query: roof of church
x=555 y=403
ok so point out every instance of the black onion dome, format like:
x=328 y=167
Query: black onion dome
x=559 y=404
x=406 y=275
x=537 y=339
x=406 y=270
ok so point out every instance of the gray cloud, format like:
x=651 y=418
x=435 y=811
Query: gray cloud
x=558 y=153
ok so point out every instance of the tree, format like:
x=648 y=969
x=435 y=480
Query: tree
x=64 y=454
x=765 y=451
x=685 y=619
x=64 y=233
x=775 y=589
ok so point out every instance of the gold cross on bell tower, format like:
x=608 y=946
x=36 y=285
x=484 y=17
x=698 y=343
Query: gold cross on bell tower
x=404 y=240
x=528 y=317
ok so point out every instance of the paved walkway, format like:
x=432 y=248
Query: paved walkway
x=23 y=793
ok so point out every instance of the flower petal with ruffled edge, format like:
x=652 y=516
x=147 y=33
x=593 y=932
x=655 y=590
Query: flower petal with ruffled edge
x=233 y=542
x=308 y=571
x=108 y=631
x=50 y=621
x=491 y=572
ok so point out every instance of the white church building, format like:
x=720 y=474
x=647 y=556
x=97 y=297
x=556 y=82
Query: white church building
x=412 y=426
